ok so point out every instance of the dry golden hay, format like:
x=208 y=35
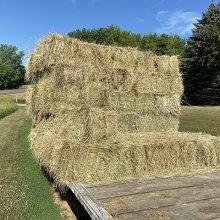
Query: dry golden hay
x=137 y=87
x=119 y=68
x=103 y=114
x=123 y=157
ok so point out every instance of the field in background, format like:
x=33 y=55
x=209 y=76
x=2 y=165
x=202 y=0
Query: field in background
x=8 y=103
x=19 y=98
x=24 y=87
x=7 y=106
x=200 y=119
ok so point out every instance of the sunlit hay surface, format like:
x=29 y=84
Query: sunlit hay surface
x=133 y=88
x=104 y=114
x=117 y=68
x=124 y=157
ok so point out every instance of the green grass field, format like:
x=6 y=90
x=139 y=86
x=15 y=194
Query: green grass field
x=200 y=119
x=7 y=106
x=25 y=191
x=19 y=98
x=8 y=103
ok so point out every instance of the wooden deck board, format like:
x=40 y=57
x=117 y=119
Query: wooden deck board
x=197 y=210
x=193 y=197
x=159 y=199
x=91 y=205
x=140 y=186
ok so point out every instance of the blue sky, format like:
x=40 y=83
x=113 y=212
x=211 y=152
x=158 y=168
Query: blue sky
x=24 y=22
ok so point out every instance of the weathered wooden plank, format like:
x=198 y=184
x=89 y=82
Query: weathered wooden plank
x=142 y=186
x=92 y=206
x=181 y=197
x=199 y=210
x=155 y=200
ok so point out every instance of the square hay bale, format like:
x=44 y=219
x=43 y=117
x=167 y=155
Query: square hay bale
x=125 y=156
x=118 y=67
x=69 y=73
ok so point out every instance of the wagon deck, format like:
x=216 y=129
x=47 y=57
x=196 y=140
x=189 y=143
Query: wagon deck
x=183 y=198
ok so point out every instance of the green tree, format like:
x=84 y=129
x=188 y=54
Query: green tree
x=112 y=35
x=202 y=62
x=149 y=42
x=163 y=44
x=12 y=72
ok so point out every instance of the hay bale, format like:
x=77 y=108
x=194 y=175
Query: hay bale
x=118 y=68
x=137 y=87
x=103 y=114
x=124 y=157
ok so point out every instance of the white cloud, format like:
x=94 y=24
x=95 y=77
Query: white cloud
x=177 y=22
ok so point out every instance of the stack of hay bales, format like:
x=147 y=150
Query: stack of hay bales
x=102 y=114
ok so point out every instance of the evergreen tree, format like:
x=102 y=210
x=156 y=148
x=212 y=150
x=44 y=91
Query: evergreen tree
x=201 y=65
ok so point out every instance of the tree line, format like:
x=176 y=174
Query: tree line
x=113 y=35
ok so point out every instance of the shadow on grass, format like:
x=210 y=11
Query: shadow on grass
x=75 y=205
x=68 y=196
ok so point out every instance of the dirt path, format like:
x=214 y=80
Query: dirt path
x=12 y=92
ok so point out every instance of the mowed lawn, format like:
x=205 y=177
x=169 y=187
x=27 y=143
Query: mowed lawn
x=7 y=106
x=25 y=191
x=200 y=119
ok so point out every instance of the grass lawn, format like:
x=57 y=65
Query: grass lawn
x=24 y=87
x=7 y=106
x=25 y=192
x=200 y=119
x=19 y=98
